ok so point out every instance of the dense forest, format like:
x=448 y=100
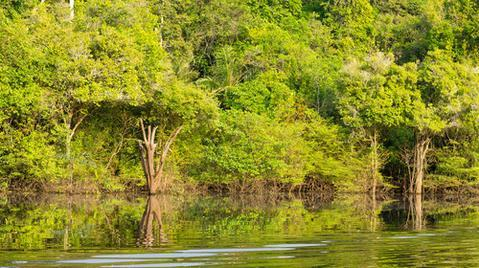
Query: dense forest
x=359 y=95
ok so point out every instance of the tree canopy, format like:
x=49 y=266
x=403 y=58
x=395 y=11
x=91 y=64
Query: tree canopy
x=268 y=92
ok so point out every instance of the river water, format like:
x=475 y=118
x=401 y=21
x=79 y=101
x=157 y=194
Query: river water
x=236 y=231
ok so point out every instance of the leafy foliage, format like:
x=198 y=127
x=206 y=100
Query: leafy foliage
x=267 y=91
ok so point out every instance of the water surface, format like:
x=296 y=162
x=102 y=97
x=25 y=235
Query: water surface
x=236 y=231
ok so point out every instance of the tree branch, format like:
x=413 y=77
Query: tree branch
x=143 y=130
x=77 y=124
x=166 y=149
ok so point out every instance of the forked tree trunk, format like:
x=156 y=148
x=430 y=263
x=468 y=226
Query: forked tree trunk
x=417 y=175
x=151 y=164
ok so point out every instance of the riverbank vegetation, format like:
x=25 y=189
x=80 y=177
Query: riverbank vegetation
x=357 y=95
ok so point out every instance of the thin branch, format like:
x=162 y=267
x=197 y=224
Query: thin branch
x=143 y=160
x=115 y=152
x=143 y=130
x=166 y=149
x=149 y=133
x=126 y=123
x=153 y=135
x=77 y=124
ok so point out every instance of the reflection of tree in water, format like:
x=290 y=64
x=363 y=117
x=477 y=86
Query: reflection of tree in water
x=343 y=211
x=368 y=207
x=415 y=216
x=407 y=214
x=151 y=226
x=313 y=202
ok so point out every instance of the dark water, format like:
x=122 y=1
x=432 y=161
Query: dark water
x=236 y=231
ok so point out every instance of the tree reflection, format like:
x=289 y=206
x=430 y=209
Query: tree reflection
x=415 y=216
x=148 y=232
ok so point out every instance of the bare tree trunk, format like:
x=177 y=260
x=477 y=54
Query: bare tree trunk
x=154 y=171
x=68 y=155
x=72 y=128
x=419 y=221
x=72 y=9
x=374 y=161
x=161 y=30
x=421 y=149
x=373 y=214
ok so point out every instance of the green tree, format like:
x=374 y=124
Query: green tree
x=449 y=92
x=377 y=94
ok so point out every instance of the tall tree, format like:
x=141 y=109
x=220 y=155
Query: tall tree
x=377 y=94
x=450 y=92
